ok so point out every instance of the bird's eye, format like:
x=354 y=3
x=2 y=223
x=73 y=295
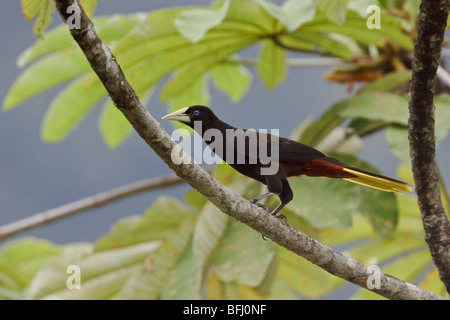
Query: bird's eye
x=196 y=112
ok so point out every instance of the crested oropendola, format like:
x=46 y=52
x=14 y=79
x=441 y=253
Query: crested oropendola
x=293 y=158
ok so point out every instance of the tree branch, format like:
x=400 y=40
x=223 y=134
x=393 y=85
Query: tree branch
x=431 y=27
x=109 y=72
x=91 y=202
x=293 y=62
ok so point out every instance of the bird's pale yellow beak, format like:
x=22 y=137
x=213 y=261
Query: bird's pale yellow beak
x=178 y=115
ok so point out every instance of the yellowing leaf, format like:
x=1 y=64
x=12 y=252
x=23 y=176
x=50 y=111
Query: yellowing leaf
x=44 y=9
x=89 y=7
x=311 y=281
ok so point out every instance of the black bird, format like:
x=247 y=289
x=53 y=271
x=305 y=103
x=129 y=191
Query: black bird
x=284 y=157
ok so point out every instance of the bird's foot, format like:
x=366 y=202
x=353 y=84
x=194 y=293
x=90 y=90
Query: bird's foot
x=281 y=217
x=266 y=209
x=261 y=205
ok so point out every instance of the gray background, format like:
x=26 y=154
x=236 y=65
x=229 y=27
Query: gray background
x=35 y=176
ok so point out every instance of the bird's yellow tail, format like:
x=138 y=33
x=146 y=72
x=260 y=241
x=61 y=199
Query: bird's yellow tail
x=377 y=181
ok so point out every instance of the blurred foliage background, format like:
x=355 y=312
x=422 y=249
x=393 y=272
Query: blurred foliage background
x=189 y=249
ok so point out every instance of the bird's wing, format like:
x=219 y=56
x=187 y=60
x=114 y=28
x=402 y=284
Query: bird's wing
x=293 y=151
x=257 y=146
x=241 y=145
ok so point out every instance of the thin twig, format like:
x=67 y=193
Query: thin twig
x=91 y=202
x=293 y=62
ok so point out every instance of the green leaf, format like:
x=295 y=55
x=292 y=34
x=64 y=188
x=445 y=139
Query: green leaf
x=183 y=79
x=311 y=281
x=432 y=283
x=389 y=82
x=272 y=64
x=384 y=106
x=272 y=9
x=340 y=141
x=298 y=12
x=44 y=9
x=196 y=94
x=378 y=206
x=181 y=285
x=55 y=40
x=442 y=116
x=360 y=6
x=102 y=274
x=213 y=226
x=57 y=68
x=156 y=48
x=292 y=14
x=334 y=10
x=324 y=202
x=114 y=127
x=193 y=24
x=378 y=251
x=241 y=255
x=195 y=199
x=397 y=139
x=53 y=274
x=403 y=254
x=19 y=262
x=209 y=230
x=29 y=254
x=109 y=29
x=397 y=135
x=362 y=127
x=62 y=61
x=89 y=7
x=381 y=209
x=159 y=221
x=232 y=79
x=167 y=222
x=361 y=231
x=320 y=128
x=356 y=29
x=319 y=43
x=69 y=107
x=158 y=267
x=407 y=269
x=149 y=47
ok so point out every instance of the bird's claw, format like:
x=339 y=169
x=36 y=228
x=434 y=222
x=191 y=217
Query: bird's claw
x=266 y=209
x=281 y=217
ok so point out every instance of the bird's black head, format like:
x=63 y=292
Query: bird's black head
x=191 y=114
